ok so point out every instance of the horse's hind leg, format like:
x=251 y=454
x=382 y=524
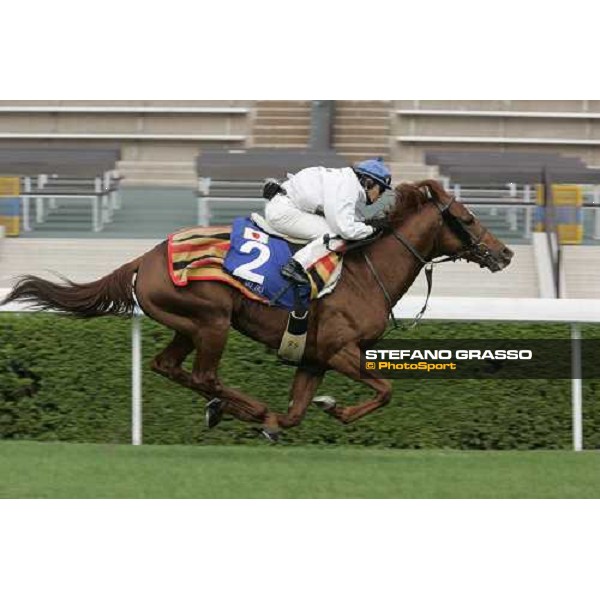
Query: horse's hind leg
x=203 y=378
x=210 y=344
x=202 y=318
x=168 y=362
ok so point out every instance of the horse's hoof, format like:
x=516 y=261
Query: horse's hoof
x=213 y=412
x=272 y=435
x=324 y=402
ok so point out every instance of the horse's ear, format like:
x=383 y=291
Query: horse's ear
x=433 y=188
x=428 y=191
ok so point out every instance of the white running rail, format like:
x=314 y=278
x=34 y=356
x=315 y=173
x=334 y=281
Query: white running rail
x=533 y=310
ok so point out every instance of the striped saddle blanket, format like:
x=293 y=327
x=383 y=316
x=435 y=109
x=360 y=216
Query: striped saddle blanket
x=199 y=254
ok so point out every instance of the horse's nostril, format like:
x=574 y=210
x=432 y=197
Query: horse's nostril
x=507 y=253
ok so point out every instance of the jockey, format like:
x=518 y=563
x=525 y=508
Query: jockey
x=317 y=201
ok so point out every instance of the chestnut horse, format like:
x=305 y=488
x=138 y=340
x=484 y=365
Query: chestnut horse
x=424 y=223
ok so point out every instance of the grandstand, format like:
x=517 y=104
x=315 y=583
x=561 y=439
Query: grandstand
x=101 y=181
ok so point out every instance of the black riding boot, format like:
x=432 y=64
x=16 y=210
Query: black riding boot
x=293 y=271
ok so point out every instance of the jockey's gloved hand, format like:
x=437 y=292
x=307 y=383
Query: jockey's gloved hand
x=378 y=223
x=271 y=188
x=377 y=232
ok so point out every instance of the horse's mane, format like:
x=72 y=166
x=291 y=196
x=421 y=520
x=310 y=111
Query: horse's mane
x=412 y=197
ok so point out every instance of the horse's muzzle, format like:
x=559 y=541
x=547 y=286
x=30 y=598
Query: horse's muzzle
x=498 y=261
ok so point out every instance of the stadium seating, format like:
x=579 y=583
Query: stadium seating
x=64 y=174
x=180 y=163
x=551 y=126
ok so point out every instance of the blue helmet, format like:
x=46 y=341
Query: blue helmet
x=376 y=170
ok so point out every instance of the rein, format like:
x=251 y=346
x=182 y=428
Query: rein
x=428 y=265
x=458 y=228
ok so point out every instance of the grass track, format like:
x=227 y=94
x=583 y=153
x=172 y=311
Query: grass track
x=60 y=470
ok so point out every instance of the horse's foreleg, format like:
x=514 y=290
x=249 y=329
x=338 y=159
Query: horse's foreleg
x=347 y=362
x=304 y=386
x=242 y=406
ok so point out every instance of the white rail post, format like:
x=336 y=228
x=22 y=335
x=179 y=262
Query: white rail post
x=136 y=381
x=39 y=202
x=52 y=203
x=203 y=208
x=576 y=388
x=25 y=200
x=106 y=197
x=115 y=194
x=596 y=233
x=101 y=202
x=528 y=211
x=512 y=216
x=203 y=212
x=96 y=217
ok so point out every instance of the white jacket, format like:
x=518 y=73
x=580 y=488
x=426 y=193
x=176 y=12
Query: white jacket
x=332 y=192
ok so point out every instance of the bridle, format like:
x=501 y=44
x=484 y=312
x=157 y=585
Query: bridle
x=458 y=227
x=470 y=246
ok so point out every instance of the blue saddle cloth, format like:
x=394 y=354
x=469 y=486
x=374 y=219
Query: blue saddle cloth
x=255 y=258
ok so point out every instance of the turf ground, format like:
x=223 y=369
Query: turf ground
x=60 y=470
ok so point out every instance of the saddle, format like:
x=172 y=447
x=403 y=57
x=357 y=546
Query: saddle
x=256 y=258
x=197 y=254
x=216 y=254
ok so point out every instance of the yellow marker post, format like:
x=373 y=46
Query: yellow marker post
x=10 y=205
x=568 y=203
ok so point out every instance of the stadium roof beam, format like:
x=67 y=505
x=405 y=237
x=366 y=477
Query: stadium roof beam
x=521 y=175
x=510 y=114
x=529 y=159
x=447 y=139
x=175 y=137
x=228 y=110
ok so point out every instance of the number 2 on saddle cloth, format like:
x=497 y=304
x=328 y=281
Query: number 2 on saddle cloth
x=255 y=258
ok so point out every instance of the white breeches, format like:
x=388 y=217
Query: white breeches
x=286 y=218
x=283 y=216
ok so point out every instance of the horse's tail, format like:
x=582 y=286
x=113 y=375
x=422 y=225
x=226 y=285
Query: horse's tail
x=111 y=295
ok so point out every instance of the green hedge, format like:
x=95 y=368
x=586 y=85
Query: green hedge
x=62 y=379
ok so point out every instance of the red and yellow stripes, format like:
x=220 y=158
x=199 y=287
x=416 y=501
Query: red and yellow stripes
x=321 y=271
x=197 y=254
